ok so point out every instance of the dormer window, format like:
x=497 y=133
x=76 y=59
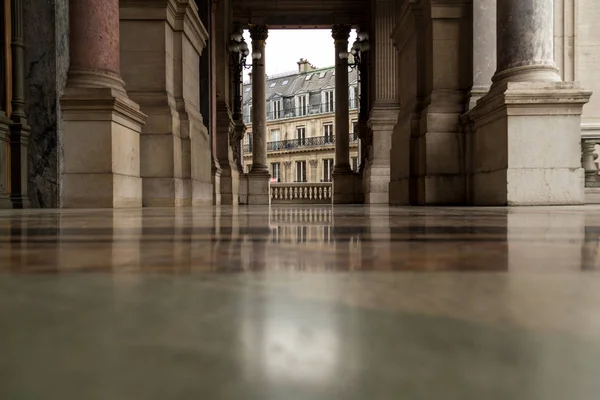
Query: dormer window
x=327 y=100
x=302 y=105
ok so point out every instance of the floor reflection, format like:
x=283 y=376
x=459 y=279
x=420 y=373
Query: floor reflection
x=312 y=238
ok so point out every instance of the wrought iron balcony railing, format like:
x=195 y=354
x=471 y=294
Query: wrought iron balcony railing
x=317 y=141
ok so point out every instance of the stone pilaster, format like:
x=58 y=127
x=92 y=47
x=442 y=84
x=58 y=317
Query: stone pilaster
x=259 y=176
x=101 y=137
x=225 y=144
x=526 y=147
x=155 y=74
x=5 y=123
x=484 y=48
x=386 y=104
x=19 y=129
x=445 y=82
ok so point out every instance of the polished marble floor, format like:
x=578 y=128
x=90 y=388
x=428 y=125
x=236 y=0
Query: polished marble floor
x=286 y=303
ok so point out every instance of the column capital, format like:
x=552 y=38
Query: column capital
x=341 y=32
x=259 y=32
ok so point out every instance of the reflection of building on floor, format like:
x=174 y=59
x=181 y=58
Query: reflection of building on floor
x=301 y=124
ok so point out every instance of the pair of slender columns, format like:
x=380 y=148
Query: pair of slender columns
x=259 y=34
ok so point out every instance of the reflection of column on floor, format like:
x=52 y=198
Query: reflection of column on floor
x=590 y=251
x=259 y=234
x=22 y=252
x=533 y=238
x=226 y=245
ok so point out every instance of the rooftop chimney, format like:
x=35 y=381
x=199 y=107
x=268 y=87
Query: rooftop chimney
x=305 y=66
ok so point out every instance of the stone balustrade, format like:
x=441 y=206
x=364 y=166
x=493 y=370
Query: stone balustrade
x=588 y=161
x=301 y=193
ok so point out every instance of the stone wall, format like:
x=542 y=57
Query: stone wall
x=46 y=64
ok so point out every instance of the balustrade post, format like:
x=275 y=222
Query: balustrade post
x=588 y=162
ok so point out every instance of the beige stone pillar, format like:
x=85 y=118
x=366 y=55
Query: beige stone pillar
x=101 y=125
x=526 y=147
x=259 y=176
x=155 y=71
x=386 y=104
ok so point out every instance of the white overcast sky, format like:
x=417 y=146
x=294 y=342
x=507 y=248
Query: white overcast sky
x=285 y=47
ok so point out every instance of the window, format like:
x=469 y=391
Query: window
x=276 y=106
x=275 y=135
x=328 y=132
x=308 y=77
x=284 y=82
x=327 y=100
x=301 y=135
x=300 y=171
x=322 y=75
x=353 y=97
x=248 y=167
x=248 y=89
x=355 y=164
x=302 y=105
x=354 y=133
x=273 y=84
x=327 y=169
x=276 y=172
x=249 y=143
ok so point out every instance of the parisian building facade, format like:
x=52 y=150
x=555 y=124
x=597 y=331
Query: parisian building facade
x=301 y=124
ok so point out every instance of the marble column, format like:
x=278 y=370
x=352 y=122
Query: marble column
x=259 y=176
x=525 y=41
x=4 y=127
x=340 y=34
x=19 y=129
x=484 y=48
x=526 y=147
x=101 y=135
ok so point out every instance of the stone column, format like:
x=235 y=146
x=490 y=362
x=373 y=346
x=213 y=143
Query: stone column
x=340 y=34
x=345 y=182
x=527 y=134
x=386 y=104
x=259 y=176
x=484 y=48
x=19 y=129
x=101 y=135
x=525 y=41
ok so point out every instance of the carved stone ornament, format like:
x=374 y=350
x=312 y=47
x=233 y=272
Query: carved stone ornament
x=259 y=32
x=287 y=164
x=314 y=163
x=341 y=32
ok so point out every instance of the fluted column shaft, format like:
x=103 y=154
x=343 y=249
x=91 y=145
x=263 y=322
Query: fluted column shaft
x=525 y=41
x=259 y=34
x=94 y=44
x=340 y=34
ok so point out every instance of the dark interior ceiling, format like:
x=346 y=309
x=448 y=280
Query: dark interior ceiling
x=301 y=13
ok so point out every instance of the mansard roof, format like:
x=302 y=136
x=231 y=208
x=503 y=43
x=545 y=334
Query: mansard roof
x=294 y=83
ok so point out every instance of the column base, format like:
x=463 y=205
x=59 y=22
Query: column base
x=101 y=149
x=526 y=145
x=347 y=188
x=216 y=181
x=230 y=184
x=259 y=188
x=377 y=184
